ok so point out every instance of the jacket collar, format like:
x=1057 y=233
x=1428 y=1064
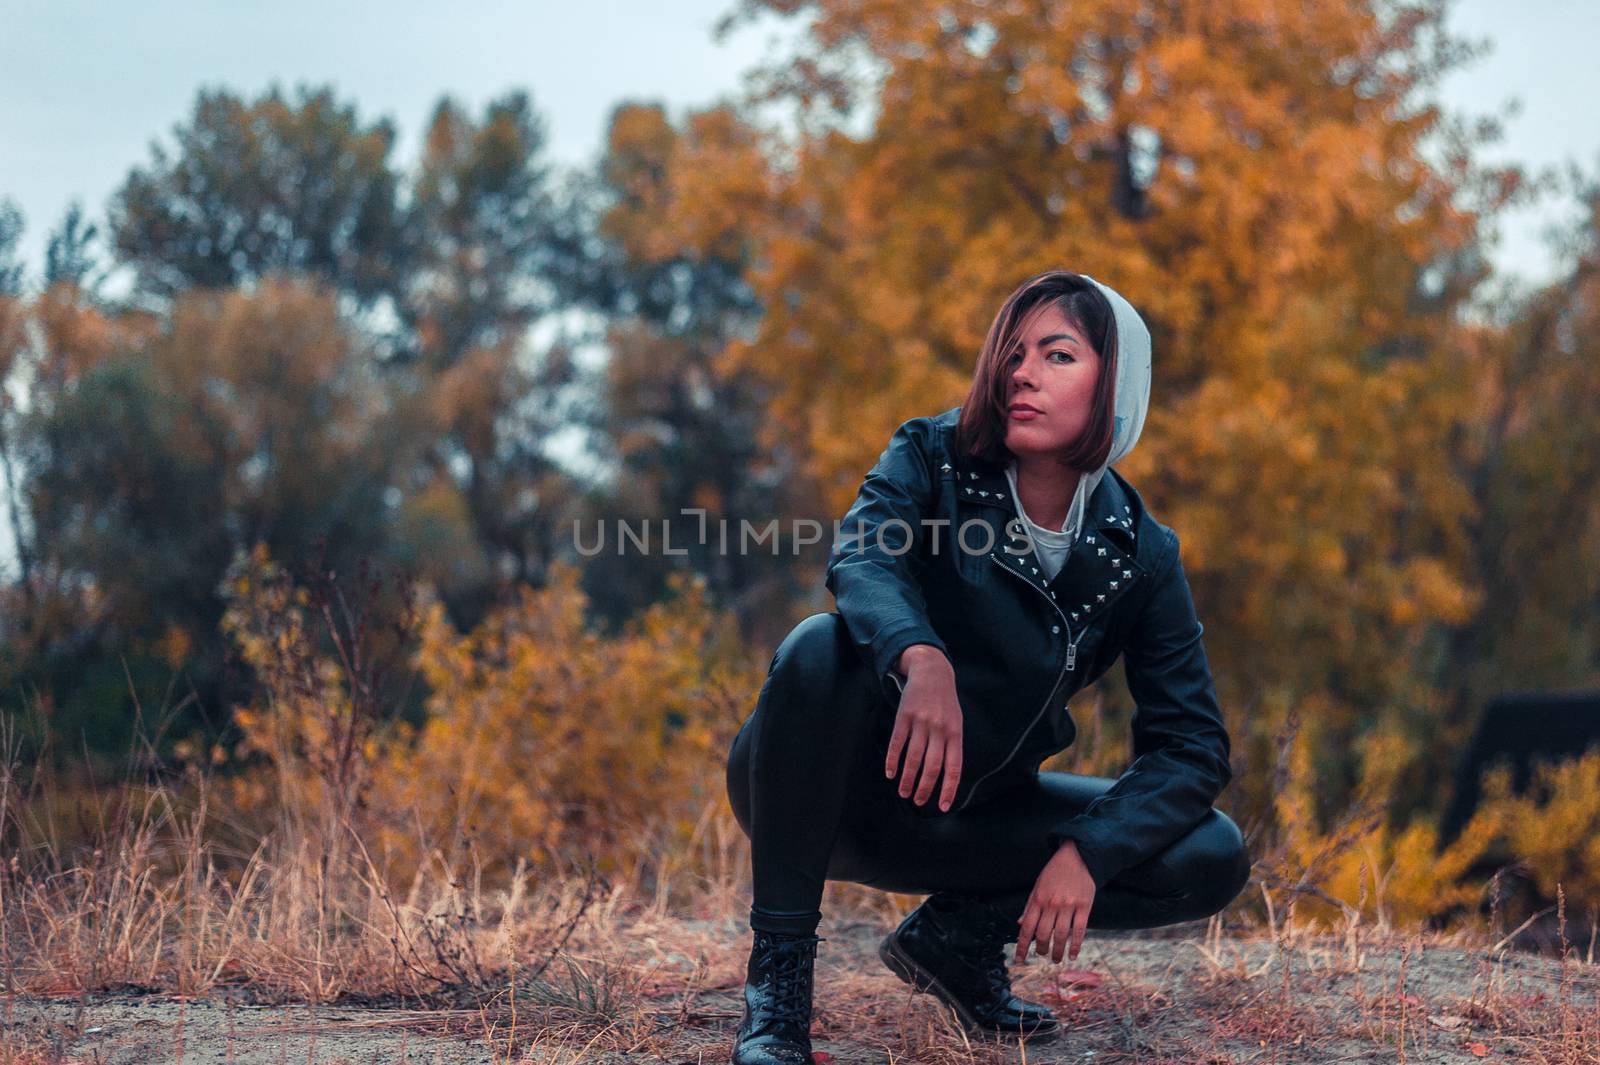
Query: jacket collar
x=1100 y=568
x=985 y=484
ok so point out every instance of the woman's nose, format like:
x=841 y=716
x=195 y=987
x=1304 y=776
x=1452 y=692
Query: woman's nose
x=1022 y=375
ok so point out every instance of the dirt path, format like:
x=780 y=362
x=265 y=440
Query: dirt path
x=1147 y=999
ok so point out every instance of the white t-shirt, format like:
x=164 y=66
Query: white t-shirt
x=1050 y=545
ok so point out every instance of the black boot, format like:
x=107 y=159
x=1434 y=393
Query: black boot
x=954 y=947
x=776 y=1028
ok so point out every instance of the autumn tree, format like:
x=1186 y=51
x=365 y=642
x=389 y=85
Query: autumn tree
x=1254 y=178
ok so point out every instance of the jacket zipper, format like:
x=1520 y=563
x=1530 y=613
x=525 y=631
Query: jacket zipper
x=1071 y=664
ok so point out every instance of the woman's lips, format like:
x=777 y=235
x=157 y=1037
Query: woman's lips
x=1023 y=414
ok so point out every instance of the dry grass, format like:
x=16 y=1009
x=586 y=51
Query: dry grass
x=158 y=908
x=576 y=967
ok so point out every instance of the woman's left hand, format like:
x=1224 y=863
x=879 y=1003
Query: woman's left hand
x=1058 y=909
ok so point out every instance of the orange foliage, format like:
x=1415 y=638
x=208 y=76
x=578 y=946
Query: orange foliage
x=545 y=741
x=1253 y=178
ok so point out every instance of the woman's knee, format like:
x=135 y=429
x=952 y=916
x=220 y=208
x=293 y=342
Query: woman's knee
x=815 y=671
x=1217 y=861
x=808 y=680
x=737 y=773
x=816 y=648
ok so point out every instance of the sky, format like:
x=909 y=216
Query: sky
x=85 y=87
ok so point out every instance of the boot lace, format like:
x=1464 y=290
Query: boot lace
x=791 y=979
x=992 y=957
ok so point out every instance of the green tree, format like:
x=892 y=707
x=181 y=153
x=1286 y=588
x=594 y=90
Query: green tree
x=1529 y=449
x=299 y=185
x=675 y=435
x=248 y=418
x=486 y=244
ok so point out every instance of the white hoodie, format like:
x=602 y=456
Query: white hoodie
x=1131 y=400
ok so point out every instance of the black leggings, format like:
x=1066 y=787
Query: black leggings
x=806 y=781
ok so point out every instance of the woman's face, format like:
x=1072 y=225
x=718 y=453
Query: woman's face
x=1051 y=377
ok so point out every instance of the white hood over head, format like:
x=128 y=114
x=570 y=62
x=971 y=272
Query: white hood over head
x=1131 y=400
x=1133 y=375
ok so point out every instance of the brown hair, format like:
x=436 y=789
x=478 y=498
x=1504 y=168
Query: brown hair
x=981 y=431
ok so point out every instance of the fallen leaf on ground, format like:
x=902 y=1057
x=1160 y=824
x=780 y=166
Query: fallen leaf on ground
x=1070 y=983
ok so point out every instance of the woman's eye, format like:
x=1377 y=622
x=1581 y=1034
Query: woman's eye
x=1065 y=355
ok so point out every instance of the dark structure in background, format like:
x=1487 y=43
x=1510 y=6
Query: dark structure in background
x=1527 y=729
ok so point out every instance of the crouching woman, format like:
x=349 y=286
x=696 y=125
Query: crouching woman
x=991 y=566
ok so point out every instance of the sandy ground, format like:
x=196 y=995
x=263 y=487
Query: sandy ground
x=1159 y=999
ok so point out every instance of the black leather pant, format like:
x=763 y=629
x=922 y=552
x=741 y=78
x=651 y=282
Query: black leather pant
x=806 y=781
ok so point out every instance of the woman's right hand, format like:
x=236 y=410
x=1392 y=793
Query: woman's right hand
x=927 y=727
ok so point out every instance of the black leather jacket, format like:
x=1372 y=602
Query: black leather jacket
x=1021 y=645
